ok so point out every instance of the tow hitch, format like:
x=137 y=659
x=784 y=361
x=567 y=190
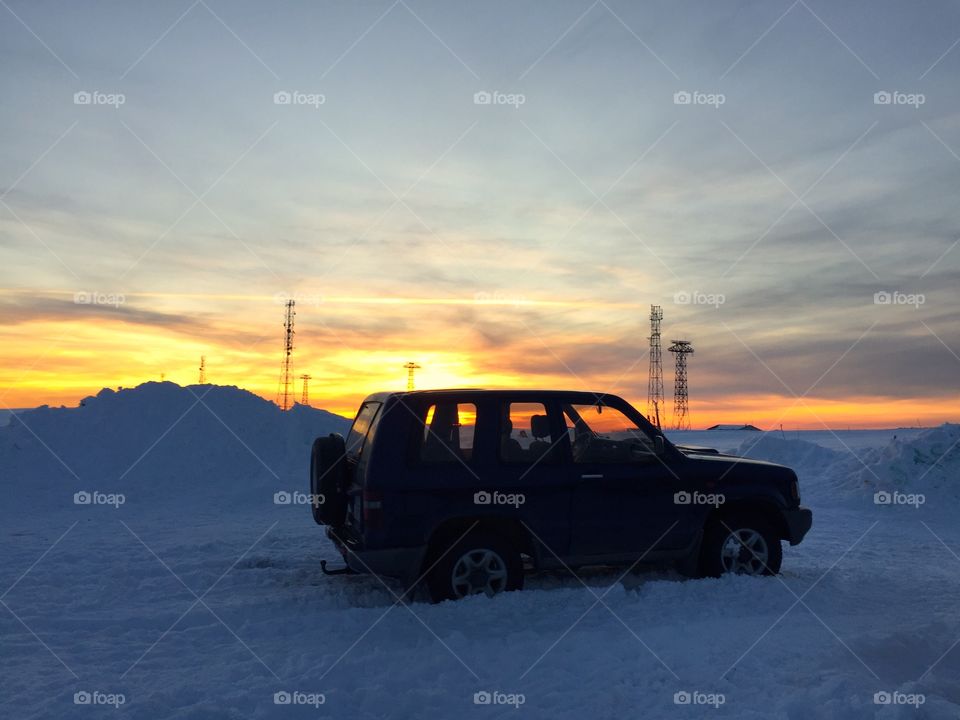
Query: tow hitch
x=345 y=570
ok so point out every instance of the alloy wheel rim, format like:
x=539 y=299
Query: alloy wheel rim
x=744 y=552
x=479 y=571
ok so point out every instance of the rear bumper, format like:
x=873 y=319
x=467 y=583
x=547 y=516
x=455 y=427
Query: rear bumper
x=404 y=563
x=798 y=523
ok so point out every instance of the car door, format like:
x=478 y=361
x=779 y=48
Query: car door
x=624 y=496
x=533 y=481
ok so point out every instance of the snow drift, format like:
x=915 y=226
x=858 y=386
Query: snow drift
x=927 y=463
x=160 y=442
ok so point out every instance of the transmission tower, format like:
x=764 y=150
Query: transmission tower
x=681 y=410
x=655 y=381
x=305 y=397
x=411 y=367
x=203 y=370
x=286 y=390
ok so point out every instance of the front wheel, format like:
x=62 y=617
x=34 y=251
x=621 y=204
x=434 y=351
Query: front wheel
x=740 y=544
x=481 y=563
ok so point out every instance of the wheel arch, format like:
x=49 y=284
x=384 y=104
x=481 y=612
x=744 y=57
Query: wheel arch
x=451 y=530
x=763 y=507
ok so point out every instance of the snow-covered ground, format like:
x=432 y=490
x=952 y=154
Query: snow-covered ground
x=199 y=596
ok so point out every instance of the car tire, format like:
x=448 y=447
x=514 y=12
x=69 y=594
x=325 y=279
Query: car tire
x=743 y=544
x=328 y=473
x=480 y=563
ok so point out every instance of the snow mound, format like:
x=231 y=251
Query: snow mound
x=808 y=459
x=928 y=463
x=161 y=442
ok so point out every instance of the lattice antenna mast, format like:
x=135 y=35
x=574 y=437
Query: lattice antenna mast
x=286 y=389
x=305 y=397
x=655 y=380
x=202 y=380
x=681 y=408
x=411 y=368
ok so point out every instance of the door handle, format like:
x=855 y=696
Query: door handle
x=591 y=477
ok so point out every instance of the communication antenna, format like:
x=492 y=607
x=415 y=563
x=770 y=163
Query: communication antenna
x=655 y=380
x=411 y=367
x=681 y=409
x=305 y=397
x=202 y=380
x=285 y=390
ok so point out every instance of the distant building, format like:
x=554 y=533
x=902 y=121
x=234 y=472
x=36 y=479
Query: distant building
x=735 y=427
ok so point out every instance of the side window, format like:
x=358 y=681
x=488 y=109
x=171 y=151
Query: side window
x=361 y=426
x=448 y=432
x=605 y=435
x=525 y=435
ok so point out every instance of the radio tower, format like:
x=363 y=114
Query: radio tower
x=681 y=410
x=286 y=389
x=305 y=397
x=203 y=370
x=411 y=367
x=655 y=381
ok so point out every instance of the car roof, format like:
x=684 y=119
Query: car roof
x=578 y=396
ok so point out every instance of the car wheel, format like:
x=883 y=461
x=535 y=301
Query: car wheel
x=481 y=563
x=742 y=545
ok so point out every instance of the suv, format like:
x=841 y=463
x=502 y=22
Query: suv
x=464 y=489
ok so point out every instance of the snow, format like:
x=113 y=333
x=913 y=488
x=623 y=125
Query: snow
x=199 y=597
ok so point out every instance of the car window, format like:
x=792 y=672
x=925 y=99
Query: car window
x=602 y=434
x=361 y=427
x=525 y=435
x=448 y=431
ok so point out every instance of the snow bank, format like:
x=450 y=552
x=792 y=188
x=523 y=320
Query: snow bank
x=926 y=463
x=807 y=458
x=161 y=442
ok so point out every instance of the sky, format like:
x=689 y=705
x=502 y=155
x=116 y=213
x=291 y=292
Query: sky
x=497 y=191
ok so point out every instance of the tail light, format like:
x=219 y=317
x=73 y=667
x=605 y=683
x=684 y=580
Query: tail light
x=372 y=509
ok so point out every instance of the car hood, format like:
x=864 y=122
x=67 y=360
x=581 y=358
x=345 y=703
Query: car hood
x=719 y=460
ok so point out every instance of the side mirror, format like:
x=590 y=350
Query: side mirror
x=658 y=444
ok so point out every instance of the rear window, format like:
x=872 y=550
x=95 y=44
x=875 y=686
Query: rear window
x=361 y=427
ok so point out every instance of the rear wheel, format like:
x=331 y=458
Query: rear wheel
x=741 y=544
x=480 y=563
x=328 y=477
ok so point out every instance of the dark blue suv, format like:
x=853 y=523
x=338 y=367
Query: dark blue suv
x=464 y=489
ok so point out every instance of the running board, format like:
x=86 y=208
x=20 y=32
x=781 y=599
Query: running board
x=345 y=570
